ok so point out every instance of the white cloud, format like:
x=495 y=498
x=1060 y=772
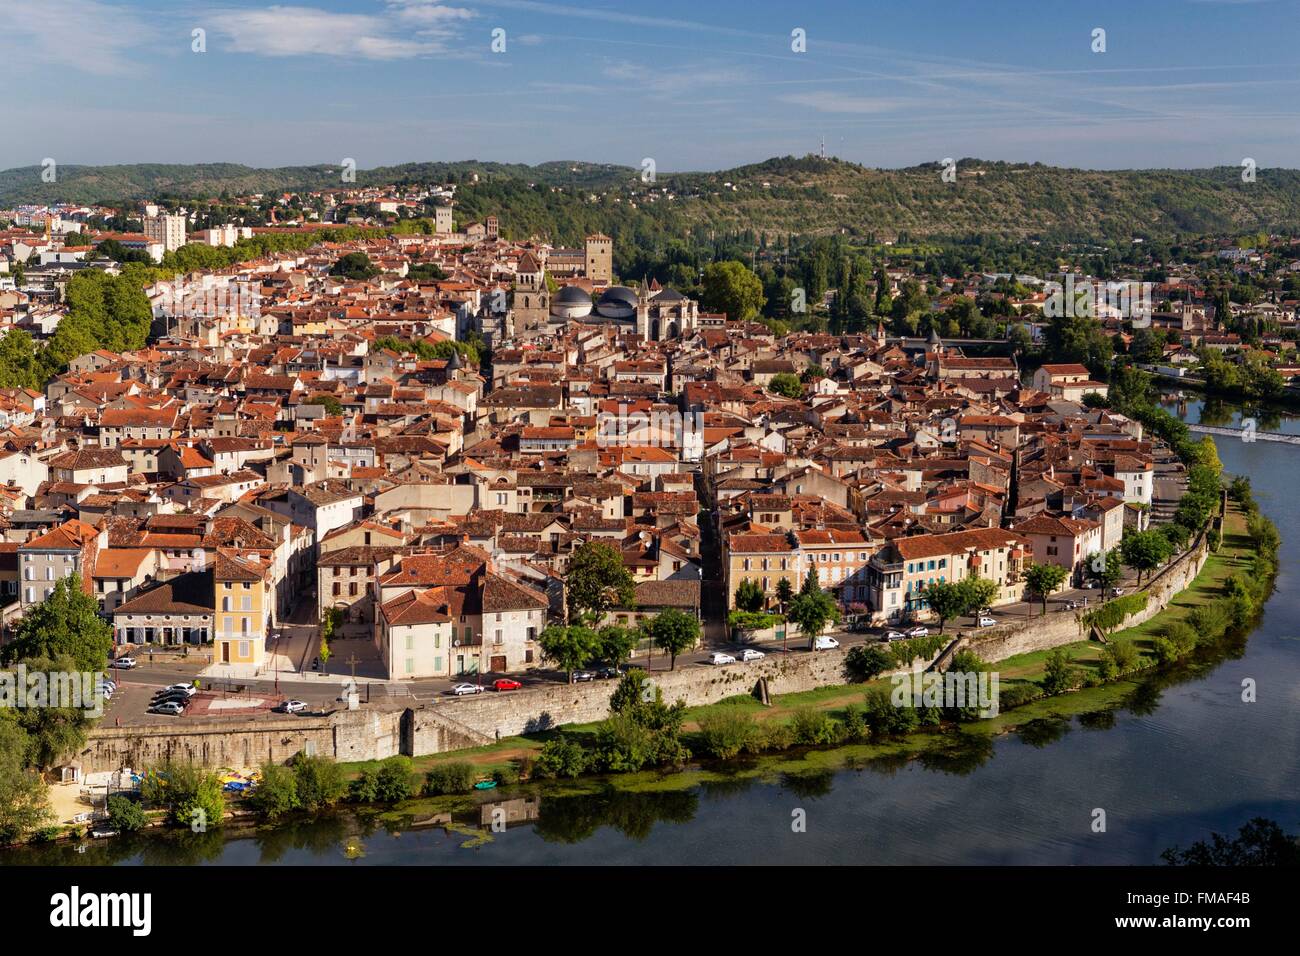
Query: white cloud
x=828 y=101
x=85 y=35
x=407 y=28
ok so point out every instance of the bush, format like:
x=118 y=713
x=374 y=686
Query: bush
x=1210 y=621
x=389 y=783
x=1121 y=655
x=774 y=736
x=320 y=782
x=561 y=757
x=867 y=661
x=853 y=726
x=1017 y=695
x=1182 y=635
x=1061 y=675
x=456 y=776
x=812 y=727
x=884 y=718
x=1165 y=650
x=727 y=731
x=125 y=815
x=276 y=793
x=191 y=795
x=505 y=776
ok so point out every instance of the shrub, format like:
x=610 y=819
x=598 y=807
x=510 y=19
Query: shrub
x=560 y=757
x=125 y=815
x=853 y=725
x=1061 y=675
x=320 y=782
x=505 y=776
x=388 y=783
x=867 y=661
x=812 y=727
x=884 y=718
x=456 y=776
x=1182 y=635
x=1017 y=695
x=1122 y=655
x=1166 y=651
x=774 y=736
x=276 y=793
x=1211 y=620
x=727 y=731
x=190 y=794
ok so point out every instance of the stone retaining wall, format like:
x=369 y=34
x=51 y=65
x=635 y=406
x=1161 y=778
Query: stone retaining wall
x=454 y=724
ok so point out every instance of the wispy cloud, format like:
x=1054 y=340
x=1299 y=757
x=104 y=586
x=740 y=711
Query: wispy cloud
x=84 y=35
x=404 y=29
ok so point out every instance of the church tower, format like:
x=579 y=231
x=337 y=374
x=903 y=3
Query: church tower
x=600 y=258
x=532 y=300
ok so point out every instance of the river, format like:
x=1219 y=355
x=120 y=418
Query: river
x=1190 y=758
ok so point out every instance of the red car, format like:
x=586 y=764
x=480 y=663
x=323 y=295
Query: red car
x=505 y=683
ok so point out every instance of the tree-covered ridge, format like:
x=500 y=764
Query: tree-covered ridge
x=566 y=200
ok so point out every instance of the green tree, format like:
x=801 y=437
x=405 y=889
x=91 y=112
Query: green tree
x=979 y=593
x=191 y=795
x=1106 y=569
x=784 y=594
x=1144 y=551
x=276 y=794
x=730 y=288
x=1059 y=673
x=749 y=595
x=674 y=631
x=319 y=782
x=813 y=609
x=569 y=647
x=1043 y=579
x=65 y=625
x=785 y=384
x=597 y=580
x=125 y=815
x=354 y=265
x=947 y=600
x=24 y=798
x=616 y=643
x=333 y=407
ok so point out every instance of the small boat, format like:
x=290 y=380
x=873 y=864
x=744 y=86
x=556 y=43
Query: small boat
x=485 y=785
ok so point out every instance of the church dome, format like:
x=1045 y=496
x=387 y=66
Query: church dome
x=617 y=302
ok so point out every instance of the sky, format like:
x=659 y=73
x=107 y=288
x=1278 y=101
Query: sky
x=700 y=85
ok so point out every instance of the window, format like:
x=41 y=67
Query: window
x=248 y=604
x=225 y=602
x=497 y=638
x=943 y=562
x=338 y=589
x=410 y=642
x=352 y=589
x=410 y=665
x=243 y=648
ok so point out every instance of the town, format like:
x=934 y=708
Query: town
x=376 y=452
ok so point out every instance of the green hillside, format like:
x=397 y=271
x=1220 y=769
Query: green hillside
x=778 y=196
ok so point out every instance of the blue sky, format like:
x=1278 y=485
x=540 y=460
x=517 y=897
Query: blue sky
x=696 y=85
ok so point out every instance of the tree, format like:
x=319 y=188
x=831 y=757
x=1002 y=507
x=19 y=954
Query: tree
x=333 y=407
x=1043 y=579
x=569 y=647
x=674 y=631
x=598 y=580
x=1059 y=673
x=786 y=385
x=191 y=795
x=813 y=609
x=66 y=624
x=24 y=798
x=354 y=265
x=784 y=594
x=1106 y=569
x=730 y=288
x=1145 y=550
x=1261 y=842
x=749 y=596
x=319 y=780
x=616 y=643
x=276 y=793
x=125 y=815
x=947 y=600
x=980 y=592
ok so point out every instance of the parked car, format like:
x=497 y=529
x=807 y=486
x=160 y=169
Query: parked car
x=123 y=663
x=895 y=636
x=749 y=654
x=1117 y=591
x=606 y=671
x=583 y=676
x=717 y=657
x=987 y=622
x=919 y=631
x=108 y=682
x=185 y=689
x=170 y=699
x=505 y=683
x=460 y=690
x=291 y=706
x=825 y=644
x=168 y=708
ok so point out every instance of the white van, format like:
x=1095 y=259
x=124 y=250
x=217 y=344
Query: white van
x=825 y=644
